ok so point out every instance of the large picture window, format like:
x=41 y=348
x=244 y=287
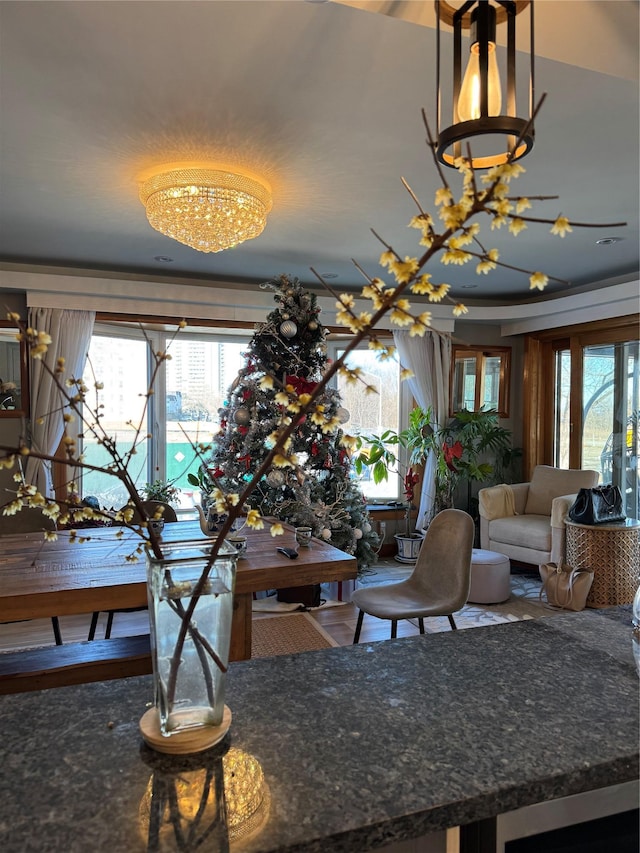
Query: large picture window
x=189 y=391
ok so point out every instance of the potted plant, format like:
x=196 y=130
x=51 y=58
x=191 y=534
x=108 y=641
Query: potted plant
x=378 y=453
x=161 y=490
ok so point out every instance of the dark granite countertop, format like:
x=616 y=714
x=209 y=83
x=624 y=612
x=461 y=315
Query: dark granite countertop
x=359 y=746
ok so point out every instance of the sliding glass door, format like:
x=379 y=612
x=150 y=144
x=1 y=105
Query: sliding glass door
x=596 y=403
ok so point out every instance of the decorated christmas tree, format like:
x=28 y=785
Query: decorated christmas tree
x=284 y=361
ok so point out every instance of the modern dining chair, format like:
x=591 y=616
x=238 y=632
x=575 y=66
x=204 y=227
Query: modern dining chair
x=150 y=507
x=31 y=520
x=437 y=586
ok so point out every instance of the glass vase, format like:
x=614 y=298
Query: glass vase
x=190 y=633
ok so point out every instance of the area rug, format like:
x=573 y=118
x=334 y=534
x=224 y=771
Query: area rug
x=289 y=634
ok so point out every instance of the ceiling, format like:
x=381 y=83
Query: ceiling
x=323 y=99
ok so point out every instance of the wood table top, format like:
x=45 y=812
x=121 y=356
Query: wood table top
x=39 y=578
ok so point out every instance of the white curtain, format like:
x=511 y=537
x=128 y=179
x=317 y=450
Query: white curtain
x=70 y=333
x=429 y=358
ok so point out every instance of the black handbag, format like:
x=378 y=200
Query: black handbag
x=599 y=505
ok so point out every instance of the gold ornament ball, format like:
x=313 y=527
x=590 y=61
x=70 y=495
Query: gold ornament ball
x=313 y=325
x=242 y=416
x=288 y=329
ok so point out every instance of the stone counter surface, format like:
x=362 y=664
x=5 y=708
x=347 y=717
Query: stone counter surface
x=360 y=746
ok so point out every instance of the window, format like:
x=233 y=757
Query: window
x=189 y=391
x=480 y=379
x=373 y=414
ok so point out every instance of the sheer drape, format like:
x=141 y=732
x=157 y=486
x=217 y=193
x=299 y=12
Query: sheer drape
x=429 y=358
x=70 y=333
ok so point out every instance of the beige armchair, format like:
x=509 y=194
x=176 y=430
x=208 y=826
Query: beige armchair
x=526 y=521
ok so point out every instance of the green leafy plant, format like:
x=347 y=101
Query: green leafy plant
x=161 y=490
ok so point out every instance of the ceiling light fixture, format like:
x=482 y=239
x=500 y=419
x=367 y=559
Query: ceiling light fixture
x=609 y=241
x=477 y=98
x=205 y=206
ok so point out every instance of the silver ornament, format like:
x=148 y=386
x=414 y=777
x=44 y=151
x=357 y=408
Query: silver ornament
x=288 y=329
x=343 y=415
x=275 y=479
x=242 y=416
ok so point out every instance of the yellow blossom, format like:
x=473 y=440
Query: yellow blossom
x=182 y=324
x=406 y=373
x=459 y=309
x=400 y=317
x=282 y=398
x=439 y=292
x=422 y=221
x=503 y=206
x=485 y=266
x=455 y=256
x=266 y=383
x=346 y=300
x=277 y=529
x=420 y=325
x=561 y=226
x=349 y=442
x=497 y=222
x=50 y=536
x=281 y=461
x=522 y=204
x=422 y=285
x=387 y=258
x=8 y=461
x=443 y=196
x=254 y=520
x=538 y=280
x=330 y=425
x=517 y=225
x=404 y=270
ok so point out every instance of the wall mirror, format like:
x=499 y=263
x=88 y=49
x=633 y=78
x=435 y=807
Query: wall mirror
x=480 y=378
x=14 y=391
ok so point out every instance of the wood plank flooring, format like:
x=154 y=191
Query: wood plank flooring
x=338 y=622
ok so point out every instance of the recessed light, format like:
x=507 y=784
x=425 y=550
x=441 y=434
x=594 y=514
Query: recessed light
x=609 y=241
x=329 y=275
x=163 y=259
x=468 y=286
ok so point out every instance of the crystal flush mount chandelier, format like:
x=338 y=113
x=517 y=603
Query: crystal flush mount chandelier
x=206 y=206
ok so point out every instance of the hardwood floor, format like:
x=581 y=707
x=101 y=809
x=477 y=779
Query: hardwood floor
x=338 y=622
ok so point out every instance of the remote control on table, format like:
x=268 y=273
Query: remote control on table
x=288 y=552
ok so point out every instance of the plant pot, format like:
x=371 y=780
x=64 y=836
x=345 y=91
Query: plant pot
x=409 y=545
x=189 y=656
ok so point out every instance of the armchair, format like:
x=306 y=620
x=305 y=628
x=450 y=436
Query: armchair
x=536 y=532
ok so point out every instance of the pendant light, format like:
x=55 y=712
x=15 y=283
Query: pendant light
x=483 y=112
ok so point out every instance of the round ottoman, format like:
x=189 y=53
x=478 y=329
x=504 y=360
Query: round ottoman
x=490 y=577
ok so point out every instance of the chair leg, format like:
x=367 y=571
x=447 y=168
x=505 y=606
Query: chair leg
x=394 y=628
x=356 y=636
x=55 y=624
x=94 y=625
x=107 y=633
x=454 y=627
x=421 y=625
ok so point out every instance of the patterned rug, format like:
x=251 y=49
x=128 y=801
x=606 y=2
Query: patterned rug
x=283 y=635
x=524 y=602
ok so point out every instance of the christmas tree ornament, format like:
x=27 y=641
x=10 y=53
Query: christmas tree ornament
x=275 y=479
x=343 y=414
x=285 y=316
x=242 y=416
x=313 y=325
x=357 y=533
x=326 y=533
x=366 y=528
x=288 y=329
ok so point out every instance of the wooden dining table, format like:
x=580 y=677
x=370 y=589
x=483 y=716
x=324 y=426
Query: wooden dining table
x=43 y=579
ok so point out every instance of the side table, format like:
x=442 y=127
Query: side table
x=612 y=552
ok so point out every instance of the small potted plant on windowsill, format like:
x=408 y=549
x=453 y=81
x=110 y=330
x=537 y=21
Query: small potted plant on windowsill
x=379 y=454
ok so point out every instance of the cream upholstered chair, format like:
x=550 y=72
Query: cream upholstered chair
x=437 y=586
x=526 y=521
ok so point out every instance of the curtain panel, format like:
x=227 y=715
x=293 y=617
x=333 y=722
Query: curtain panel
x=429 y=357
x=70 y=333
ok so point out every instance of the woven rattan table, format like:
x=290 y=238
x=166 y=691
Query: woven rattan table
x=612 y=552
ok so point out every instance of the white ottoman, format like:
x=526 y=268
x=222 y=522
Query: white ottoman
x=490 y=577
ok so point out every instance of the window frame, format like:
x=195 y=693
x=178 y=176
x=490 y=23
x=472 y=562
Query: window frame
x=481 y=354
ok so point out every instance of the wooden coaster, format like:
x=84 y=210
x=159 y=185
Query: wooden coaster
x=196 y=739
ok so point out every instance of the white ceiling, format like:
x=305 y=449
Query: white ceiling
x=323 y=100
